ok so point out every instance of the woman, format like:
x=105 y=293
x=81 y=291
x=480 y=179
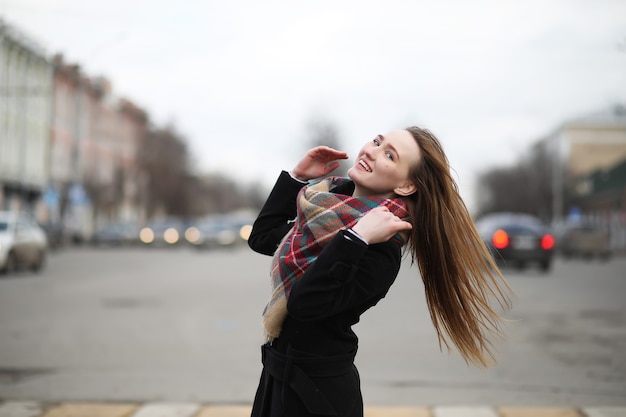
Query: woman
x=342 y=253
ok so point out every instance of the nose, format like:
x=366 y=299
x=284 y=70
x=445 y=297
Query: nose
x=369 y=152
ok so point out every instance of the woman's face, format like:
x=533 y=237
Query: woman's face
x=382 y=166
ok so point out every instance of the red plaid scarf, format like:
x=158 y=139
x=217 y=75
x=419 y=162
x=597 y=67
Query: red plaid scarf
x=321 y=214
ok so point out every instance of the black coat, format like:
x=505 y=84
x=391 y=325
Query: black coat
x=347 y=278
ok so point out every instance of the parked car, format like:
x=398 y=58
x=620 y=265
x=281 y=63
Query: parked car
x=23 y=243
x=55 y=234
x=517 y=239
x=211 y=233
x=221 y=230
x=585 y=241
x=165 y=232
x=116 y=234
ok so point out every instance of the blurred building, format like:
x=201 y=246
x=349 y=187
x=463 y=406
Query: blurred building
x=75 y=154
x=69 y=148
x=25 y=114
x=595 y=142
x=95 y=143
x=589 y=180
x=65 y=149
x=603 y=191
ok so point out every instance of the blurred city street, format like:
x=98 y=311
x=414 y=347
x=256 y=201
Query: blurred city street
x=139 y=141
x=150 y=324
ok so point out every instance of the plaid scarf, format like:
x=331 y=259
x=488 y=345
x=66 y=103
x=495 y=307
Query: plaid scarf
x=320 y=215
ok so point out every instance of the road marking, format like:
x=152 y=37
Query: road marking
x=463 y=412
x=224 y=411
x=20 y=409
x=605 y=412
x=537 y=412
x=397 y=412
x=91 y=410
x=167 y=410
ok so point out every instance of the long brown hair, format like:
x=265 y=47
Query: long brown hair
x=460 y=277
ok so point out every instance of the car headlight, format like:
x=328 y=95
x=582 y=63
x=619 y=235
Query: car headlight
x=192 y=234
x=146 y=235
x=245 y=231
x=170 y=236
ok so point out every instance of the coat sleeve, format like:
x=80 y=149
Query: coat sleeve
x=347 y=275
x=274 y=219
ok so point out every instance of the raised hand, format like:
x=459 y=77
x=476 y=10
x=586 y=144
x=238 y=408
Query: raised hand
x=317 y=162
x=379 y=225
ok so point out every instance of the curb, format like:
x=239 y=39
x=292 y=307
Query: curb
x=166 y=409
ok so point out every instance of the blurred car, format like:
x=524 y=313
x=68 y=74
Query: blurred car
x=517 y=239
x=211 y=233
x=585 y=241
x=55 y=234
x=23 y=243
x=116 y=234
x=164 y=232
x=243 y=225
x=218 y=232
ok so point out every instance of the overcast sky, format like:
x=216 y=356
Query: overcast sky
x=241 y=79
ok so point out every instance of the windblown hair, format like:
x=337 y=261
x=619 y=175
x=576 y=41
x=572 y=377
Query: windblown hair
x=461 y=280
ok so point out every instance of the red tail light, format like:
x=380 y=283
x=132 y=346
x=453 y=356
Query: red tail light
x=500 y=239
x=547 y=242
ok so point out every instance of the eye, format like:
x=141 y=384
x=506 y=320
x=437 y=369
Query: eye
x=389 y=155
x=376 y=142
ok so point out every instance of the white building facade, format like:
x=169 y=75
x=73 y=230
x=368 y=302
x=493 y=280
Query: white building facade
x=583 y=149
x=25 y=119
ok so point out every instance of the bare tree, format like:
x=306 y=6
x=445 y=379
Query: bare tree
x=105 y=196
x=220 y=194
x=502 y=189
x=538 y=165
x=525 y=186
x=164 y=159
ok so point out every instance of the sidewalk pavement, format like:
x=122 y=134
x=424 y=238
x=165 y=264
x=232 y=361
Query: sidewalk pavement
x=95 y=409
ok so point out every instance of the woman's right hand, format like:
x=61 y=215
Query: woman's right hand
x=317 y=162
x=379 y=225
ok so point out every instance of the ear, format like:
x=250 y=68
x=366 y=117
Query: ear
x=405 y=189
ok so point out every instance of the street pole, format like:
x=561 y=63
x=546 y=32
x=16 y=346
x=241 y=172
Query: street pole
x=3 y=105
x=23 y=131
x=557 y=179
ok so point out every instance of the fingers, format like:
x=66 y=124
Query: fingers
x=317 y=162
x=331 y=166
x=380 y=225
x=403 y=225
x=396 y=222
x=380 y=208
x=397 y=226
x=327 y=154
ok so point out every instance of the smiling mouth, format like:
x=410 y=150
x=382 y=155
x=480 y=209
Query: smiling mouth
x=365 y=165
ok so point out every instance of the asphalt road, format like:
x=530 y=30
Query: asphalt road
x=138 y=324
